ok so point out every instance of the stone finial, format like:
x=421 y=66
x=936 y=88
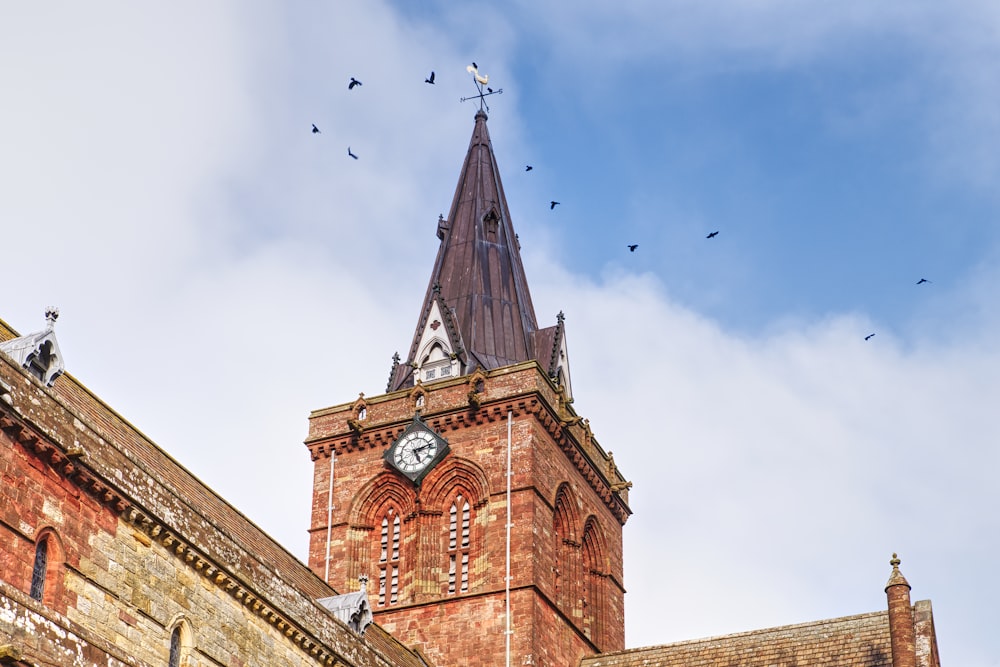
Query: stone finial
x=363 y=580
x=896 y=578
x=51 y=315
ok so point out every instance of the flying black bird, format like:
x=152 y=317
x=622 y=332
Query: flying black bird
x=315 y=129
x=351 y=154
x=354 y=82
x=528 y=168
x=632 y=247
x=430 y=79
x=868 y=337
x=712 y=235
x=922 y=281
x=553 y=204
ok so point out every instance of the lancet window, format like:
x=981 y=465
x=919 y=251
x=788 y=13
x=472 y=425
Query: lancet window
x=459 y=543
x=388 y=564
x=175 y=648
x=566 y=551
x=40 y=567
x=595 y=579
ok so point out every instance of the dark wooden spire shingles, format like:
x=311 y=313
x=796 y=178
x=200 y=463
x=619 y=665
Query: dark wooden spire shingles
x=479 y=270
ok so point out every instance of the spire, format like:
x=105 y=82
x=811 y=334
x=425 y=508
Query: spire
x=477 y=311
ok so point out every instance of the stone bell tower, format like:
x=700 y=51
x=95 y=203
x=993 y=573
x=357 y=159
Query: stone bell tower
x=479 y=504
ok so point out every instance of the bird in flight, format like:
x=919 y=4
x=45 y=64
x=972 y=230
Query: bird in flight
x=528 y=168
x=553 y=204
x=351 y=154
x=922 y=281
x=632 y=247
x=430 y=79
x=868 y=337
x=712 y=235
x=354 y=82
x=315 y=129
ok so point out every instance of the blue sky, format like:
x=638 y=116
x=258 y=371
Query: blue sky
x=222 y=271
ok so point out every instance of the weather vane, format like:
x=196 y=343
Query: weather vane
x=481 y=80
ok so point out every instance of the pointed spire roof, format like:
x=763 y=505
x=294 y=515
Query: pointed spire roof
x=477 y=311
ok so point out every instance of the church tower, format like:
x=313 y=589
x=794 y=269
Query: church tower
x=477 y=505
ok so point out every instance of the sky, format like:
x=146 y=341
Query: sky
x=221 y=270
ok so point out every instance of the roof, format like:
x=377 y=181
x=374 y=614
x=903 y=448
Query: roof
x=478 y=278
x=149 y=487
x=839 y=642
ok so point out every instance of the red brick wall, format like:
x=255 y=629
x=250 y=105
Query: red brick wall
x=468 y=629
x=36 y=503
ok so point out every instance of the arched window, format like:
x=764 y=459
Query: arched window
x=388 y=562
x=175 y=648
x=40 y=567
x=566 y=550
x=459 y=543
x=181 y=642
x=595 y=581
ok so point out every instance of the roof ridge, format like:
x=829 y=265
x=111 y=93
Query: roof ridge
x=749 y=633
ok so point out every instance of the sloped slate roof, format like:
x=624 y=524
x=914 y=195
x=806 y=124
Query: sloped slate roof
x=850 y=641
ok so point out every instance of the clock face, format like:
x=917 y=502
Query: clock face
x=415 y=451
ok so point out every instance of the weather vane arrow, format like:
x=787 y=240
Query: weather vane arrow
x=480 y=80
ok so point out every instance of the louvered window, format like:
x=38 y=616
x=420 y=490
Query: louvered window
x=388 y=577
x=459 y=520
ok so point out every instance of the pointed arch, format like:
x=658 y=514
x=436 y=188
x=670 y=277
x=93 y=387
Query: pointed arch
x=451 y=473
x=595 y=576
x=360 y=408
x=181 y=641
x=379 y=531
x=459 y=544
x=565 y=519
x=457 y=493
x=382 y=489
x=418 y=396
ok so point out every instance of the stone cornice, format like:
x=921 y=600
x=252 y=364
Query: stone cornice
x=454 y=404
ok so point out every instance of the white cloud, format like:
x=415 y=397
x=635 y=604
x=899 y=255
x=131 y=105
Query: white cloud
x=222 y=271
x=774 y=476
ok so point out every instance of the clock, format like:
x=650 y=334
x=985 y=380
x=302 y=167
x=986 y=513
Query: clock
x=416 y=451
